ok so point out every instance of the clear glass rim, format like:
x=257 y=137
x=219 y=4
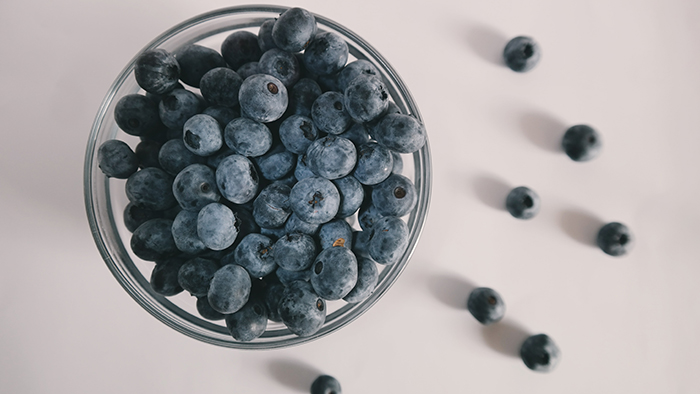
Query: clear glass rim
x=99 y=212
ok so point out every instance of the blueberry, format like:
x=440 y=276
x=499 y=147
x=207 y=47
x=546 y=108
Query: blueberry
x=522 y=54
x=153 y=240
x=239 y=48
x=315 y=200
x=164 y=276
x=327 y=54
x=276 y=163
x=195 y=186
x=367 y=278
x=301 y=310
x=368 y=216
x=174 y=156
x=137 y=115
x=220 y=86
x=195 y=61
x=294 y=29
x=366 y=98
x=357 y=133
x=178 y=106
x=265 y=40
x=523 y=203
x=329 y=114
x=150 y=188
x=388 y=241
x=147 y=153
x=237 y=179
x=280 y=64
x=196 y=274
x=395 y=196
x=334 y=273
x=302 y=96
x=229 y=289
x=326 y=384
x=297 y=132
x=374 y=163
x=272 y=296
x=581 y=143
x=249 y=322
x=222 y=114
x=202 y=135
x=335 y=233
x=184 y=231
x=355 y=69
x=401 y=133
x=351 y=195
x=134 y=216
x=296 y=225
x=615 y=239
x=116 y=159
x=486 y=305
x=157 y=71
x=263 y=98
x=331 y=157
x=206 y=311
x=271 y=207
x=217 y=226
x=294 y=252
x=253 y=254
x=540 y=353
x=248 y=137
x=302 y=170
x=248 y=69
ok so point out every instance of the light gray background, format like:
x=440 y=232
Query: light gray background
x=627 y=67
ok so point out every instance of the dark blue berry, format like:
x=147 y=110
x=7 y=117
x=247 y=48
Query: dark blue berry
x=263 y=98
x=157 y=71
x=174 y=157
x=401 y=133
x=302 y=96
x=368 y=216
x=178 y=106
x=302 y=170
x=195 y=186
x=206 y=311
x=253 y=254
x=327 y=54
x=296 y=225
x=202 y=135
x=315 y=200
x=276 y=163
x=195 y=275
x=326 y=384
x=195 y=61
x=151 y=188
x=116 y=159
x=398 y=163
x=374 y=163
x=248 y=137
x=248 y=69
x=184 y=231
x=164 y=276
x=265 y=40
x=331 y=157
x=294 y=29
x=239 y=48
x=217 y=226
x=280 y=64
x=297 y=132
x=229 y=289
x=134 y=216
x=522 y=54
x=581 y=143
x=153 y=240
x=301 y=309
x=220 y=86
x=334 y=273
x=249 y=322
x=335 y=233
x=395 y=196
x=271 y=207
x=222 y=114
x=137 y=115
x=329 y=114
x=357 y=133
x=540 y=353
x=486 y=305
x=147 y=153
x=272 y=296
x=367 y=278
x=388 y=241
x=523 y=203
x=615 y=239
x=237 y=179
x=351 y=195
x=294 y=252
x=366 y=98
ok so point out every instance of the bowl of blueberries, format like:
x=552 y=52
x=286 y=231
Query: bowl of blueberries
x=257 y=177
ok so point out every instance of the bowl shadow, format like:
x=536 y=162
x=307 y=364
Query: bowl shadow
x=580 y=225
x=492 y=191
x=487 y=42
x=505 y=337
x=543 y=130
x=451 y=290
x=293 y=374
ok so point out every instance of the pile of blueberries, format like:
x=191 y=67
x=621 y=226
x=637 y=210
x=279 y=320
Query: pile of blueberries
x=243 y=183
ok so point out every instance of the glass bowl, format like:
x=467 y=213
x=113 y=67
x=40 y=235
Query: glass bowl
x=105 y=199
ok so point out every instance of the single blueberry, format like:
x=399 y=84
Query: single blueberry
x=195 y=61
x=294 y=29
x=157 y=71
x=229 y=289
x=137 y=115
x=248 y=137
x=329 y=114
x=164 y=276
x=150 y=188
x=374 y=163
x=202 y=135
x=297 y=132
x=395 y=196
x=249 y=322
x=331 y=157
x=326 y=384
x=355 y=69
x=523 y=203
x=615 y=239
x=326 y=54
x=217 y=226
x=263 y=98
x=388 y=240
x=237 y=179
x=334 y=273
x=253 y=254
x=195 y=275
x=195 y=186
x=401 y=133
x=265 y=40
x=335 y=233
x=294 y=252
x=271 y=207
x=351 y=195
x=368 y=216
x=153 y=240
x=486 y=305
x=116 y=159
x=301 y=309
x=366 y=98
x=522 y=54
x=174 y=157
x=280 y=64
x=239 y=48
x=581 y=143
x=178 y=106
x=184 y=231
x=220 y=86
x=367 y=278
x=314 y=200
x=276 y=163
x=540 y=353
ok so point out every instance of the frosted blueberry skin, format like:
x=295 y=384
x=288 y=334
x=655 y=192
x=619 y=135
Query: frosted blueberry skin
x=153 y=240
x=150 y=188
x=351 y=195
x=229 y=289
x=202 y=135
x=239 y=48
x=401 y=133
x=522 y=54
x=248 y=69
x=388 y=241
x=334 y=273
x=195 y=186
x=263 y=98
x=328 y=83
x=302 y=96
x=327 y=54
x=581 y=143
x=253 y=254
x=395 y=196
x=265 y=40
x=271 y=207
x=486 y=305
x=336 y=233
x=272 y=294
x=367 y=278
x=286 y=277
x=294 y=252
x=326 y=384
x=523 y=203
x=195 y=275
x=301 y=309
x=137 y=115
x=331 y=157
x=134 y=216
x=315 y=200
x=357 y=133
x=282 y=65
x=368 y=216
x=217 y=226
x=540 y=353
x=297 y=132
x=615 y=239
x=398 y=163
x=294 y=29
x=355 y=69
x=249 y=322
x=360 y=243
x=374 y=163
x=220 y=86
x=237 y=179
x=184 y=232
x=329 y=114
x=248 y=137
x=116 y=159
x=157 y=71
x=366 y=98
x=178 y=106
x=195 y=61
x=296 y=225
x=174 y=156
x=164 y=276
x=222 y=114
x=276 y=163
x=302 y=170
x=206 y=311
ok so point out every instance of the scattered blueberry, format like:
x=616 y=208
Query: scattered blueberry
x=615 y=239
x=581 y=143
x=522 y=54
x=326 y=384
x=523 y=203
x=486 y=305
x=540 y=353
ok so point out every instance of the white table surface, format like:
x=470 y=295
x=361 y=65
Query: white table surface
x=631 y=324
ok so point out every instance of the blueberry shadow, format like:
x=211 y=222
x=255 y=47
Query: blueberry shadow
x=543 y=130
x=294 y=374
x=492 y=191
x=580 y=225
x=505 y=337
x=487 y=42
x=451 y=290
